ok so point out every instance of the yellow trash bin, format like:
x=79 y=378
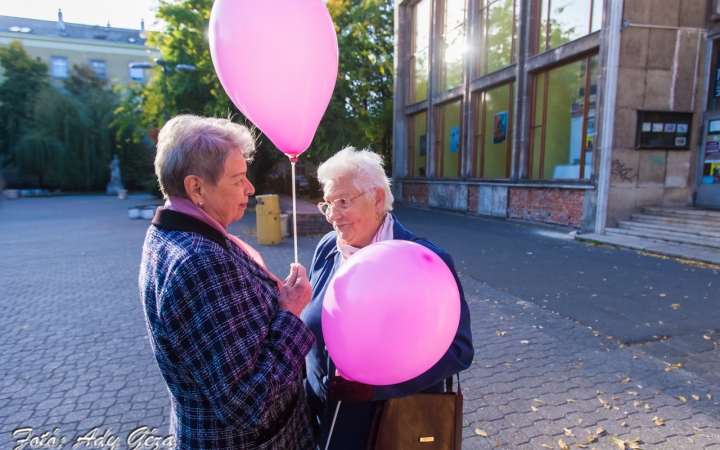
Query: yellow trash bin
x=267 y=212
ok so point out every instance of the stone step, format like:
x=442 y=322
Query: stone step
x=684 y=251
x=679 y=238
x=639 y=226
x=676 y=222
x=685 y=213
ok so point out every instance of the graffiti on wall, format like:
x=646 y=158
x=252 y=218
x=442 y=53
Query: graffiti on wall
x=619 y=171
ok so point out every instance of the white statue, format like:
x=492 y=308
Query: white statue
x=115 y=183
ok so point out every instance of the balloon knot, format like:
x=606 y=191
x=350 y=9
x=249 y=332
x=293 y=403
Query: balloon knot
x=293 y=158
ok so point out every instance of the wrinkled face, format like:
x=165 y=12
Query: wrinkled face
x=226 y=202
x=358 y=225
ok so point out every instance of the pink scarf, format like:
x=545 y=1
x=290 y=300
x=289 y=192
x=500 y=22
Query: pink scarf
x=384 y=233
x=185 y=206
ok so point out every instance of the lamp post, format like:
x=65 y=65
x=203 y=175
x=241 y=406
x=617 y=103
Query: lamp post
x=165 y=70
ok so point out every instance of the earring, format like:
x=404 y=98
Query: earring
x=199 y=203
x=377 y=216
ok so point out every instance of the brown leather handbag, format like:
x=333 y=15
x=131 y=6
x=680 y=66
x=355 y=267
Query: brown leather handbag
x=420 y=421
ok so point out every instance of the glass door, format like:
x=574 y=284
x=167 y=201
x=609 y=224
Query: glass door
x=708 y=192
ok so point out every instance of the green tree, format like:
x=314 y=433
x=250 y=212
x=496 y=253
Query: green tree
x=361 y=109
x=71 y=140
x=24 y=79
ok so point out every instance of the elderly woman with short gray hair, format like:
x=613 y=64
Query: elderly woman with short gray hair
x=225 y=331
x=358 y=202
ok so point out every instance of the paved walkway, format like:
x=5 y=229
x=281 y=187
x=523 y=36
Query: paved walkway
x=76 y=355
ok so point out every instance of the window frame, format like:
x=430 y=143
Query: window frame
x=412 y=97
x=587 y=57
x=481 y=38
x=52 y=67
x=541 y=44
x=479 y=107
x=104 y=63
x=439 y=139
x=442 y=41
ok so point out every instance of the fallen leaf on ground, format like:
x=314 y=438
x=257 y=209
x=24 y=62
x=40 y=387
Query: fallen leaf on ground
x=562 y=445
x=537 y=400
x=602 y=401
x=624 y=424
x=580 y=445
x=534 y=409
x=570 y=400
x=682 y=399
x=625 y=380
x=707 y=337
x=501 y=333
x=619 y=442
x=481 y=432
x=616 y=398
x=647 y=406
x=662 y=295
x=525 y=342
x=546 y=446
x=675 y=305
x=599 y=392
x=633 y=393
x=591 y=439
x=567 y=432
x=709 y=396
x=599 y=431
x=658 y=421
x=637 y=403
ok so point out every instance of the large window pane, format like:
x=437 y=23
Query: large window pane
x=448 y=144
x=493 y=139
x=562 y=21
x=419 y=58
x=417 y=148
x=564 y=121
x=454 y=44
x=497 y=36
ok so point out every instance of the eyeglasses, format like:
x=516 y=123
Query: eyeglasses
x=340 y=205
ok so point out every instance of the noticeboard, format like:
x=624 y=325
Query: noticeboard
x=666 y=130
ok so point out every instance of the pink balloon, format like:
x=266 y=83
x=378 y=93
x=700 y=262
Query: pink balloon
x=278 y=62
x=390 y=313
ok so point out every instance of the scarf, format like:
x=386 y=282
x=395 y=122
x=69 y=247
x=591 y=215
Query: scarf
x=384 y=233
x=185 y=206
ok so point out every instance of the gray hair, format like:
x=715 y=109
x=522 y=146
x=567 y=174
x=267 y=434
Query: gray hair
x=192 y=145
x=363 y=168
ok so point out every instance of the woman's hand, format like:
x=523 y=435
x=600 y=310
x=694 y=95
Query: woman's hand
x=296 y=293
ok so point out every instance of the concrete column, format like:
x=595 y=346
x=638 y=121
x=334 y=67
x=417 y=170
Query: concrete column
x=433 y=69
x=402 y=28
x=523 y=95
x=467 y=113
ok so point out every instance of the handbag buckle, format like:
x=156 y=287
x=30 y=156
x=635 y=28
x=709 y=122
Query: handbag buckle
x=427 y=439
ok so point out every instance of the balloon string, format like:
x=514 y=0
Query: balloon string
x=337 y=408
x=292 y=163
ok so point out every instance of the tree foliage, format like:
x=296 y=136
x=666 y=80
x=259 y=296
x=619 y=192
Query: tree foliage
x=24 y=78
x=360 y=112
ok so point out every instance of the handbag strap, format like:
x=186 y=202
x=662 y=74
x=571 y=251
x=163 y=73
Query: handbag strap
x=449 y=384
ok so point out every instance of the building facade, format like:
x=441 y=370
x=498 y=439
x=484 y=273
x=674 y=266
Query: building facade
x=570 y=112
x=106 y=50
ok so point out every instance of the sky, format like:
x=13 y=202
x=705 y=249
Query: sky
x=120 y=13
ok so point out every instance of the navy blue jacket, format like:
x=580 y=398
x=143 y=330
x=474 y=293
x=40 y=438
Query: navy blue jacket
x=354 y=419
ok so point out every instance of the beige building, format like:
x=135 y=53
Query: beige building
x=106 y=50
x=571 y=112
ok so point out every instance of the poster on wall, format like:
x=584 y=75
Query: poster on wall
x=454 y=139
x=711 y=173
x=500 y=127
x=423 y=144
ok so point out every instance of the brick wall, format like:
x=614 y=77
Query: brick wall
x=309 y=224
x=558 y=206
x=418 y=193
x=473 y=198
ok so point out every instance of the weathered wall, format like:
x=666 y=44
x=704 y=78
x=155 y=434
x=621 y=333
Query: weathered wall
x=549 y=205
x=663 y=70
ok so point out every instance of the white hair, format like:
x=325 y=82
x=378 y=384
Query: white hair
x=192 y=145
x=363 y=168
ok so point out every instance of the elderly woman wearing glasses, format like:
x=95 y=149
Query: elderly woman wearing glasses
x=358 y=202
x=225 y=331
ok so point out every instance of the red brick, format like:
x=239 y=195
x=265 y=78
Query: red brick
x=549 y=205
x=473 y=198
x=418 y=193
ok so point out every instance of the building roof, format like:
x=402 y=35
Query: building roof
x=34 y=27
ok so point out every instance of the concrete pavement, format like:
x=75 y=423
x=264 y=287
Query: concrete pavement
x=76 y=356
